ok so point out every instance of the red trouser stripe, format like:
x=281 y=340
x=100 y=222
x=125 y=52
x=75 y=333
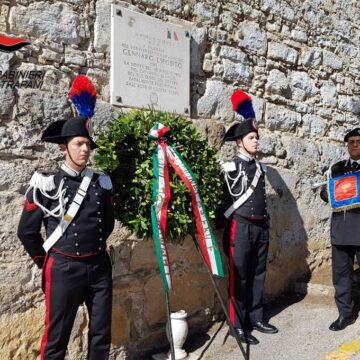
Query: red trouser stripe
x=231 y=261
x=47 y=303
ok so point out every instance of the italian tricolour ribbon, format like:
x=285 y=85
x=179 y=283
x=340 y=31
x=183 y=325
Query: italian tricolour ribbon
x=163 y=155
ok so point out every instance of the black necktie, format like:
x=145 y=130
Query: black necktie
x=355 y=165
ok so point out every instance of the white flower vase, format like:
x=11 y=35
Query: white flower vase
x=179 y=327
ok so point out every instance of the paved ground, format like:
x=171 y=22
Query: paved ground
x=303 y=322
x=303 y=335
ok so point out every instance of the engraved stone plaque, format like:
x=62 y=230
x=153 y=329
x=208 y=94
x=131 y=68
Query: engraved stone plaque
x=150 y=62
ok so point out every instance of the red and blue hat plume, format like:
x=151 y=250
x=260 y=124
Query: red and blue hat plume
x=83 y=96
x=242 y=104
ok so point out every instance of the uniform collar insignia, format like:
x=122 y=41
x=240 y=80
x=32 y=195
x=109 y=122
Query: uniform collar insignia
x=70 y=171
x=244 y=157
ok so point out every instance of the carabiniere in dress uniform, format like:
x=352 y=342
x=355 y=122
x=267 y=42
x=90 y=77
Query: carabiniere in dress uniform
x=76 y=208
x=246 y=234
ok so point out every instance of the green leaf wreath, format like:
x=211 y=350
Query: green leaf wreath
x=125 y=153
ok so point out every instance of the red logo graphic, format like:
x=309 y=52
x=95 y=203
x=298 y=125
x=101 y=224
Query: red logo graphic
x=345 y=188
x=9 y=44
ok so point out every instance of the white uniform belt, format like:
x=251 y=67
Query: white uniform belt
x=246 y=194
x=72 y=211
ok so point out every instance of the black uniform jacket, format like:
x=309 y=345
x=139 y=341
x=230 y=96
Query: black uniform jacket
x=255 y=207
x=87 y=233
x=345 y=225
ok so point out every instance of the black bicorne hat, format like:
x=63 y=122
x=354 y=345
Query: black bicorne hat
x=239 y=130
x=59 y=131
x=354 y=132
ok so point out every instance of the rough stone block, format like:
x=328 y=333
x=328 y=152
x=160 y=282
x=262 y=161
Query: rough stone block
x=49 y=55
x=56 y=22
x=278 y=83
x=278 y=8
x=102 y=26
x=75 y=57
x=328 y=94
x=299 y=35
x=302 y=86
x=280 y=118
x=215 y=101
x=233 y=54
x=269 y=143
x=5 y=59
x=20 y=335
x=349 y=103
x=192 y=292
x=4 y=10
x=314 y=125
x=197 y=49
x=282 y=52
x=227 y=19
x=311 y=57
x=7 y=100
x=204 y=12
x=253 y=38
x=236 y=72
x=303 y=153
x=120 y=325
x=332 y=60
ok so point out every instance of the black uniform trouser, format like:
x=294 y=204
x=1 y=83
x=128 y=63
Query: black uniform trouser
x=248 y=249
x=342 y=271
x=68 y=283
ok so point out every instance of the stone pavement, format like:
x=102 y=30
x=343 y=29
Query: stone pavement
x=303 y=322
x=303 y=319
x=303 y=335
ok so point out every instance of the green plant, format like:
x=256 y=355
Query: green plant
x=125 y=153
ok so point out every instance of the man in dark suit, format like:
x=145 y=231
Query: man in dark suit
x=75 y=206
x=345 y=237
x=246 y=235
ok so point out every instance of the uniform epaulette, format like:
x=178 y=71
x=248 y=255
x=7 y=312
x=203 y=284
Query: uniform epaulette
x=338 y=165
x=105 y=181
x=44 y=182
x=228 y=166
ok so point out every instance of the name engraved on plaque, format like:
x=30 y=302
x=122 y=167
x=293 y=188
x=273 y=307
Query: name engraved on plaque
x=150 y=64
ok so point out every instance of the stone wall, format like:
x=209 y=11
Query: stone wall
x=300 y=62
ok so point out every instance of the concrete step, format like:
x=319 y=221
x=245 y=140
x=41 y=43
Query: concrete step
x=320 y=284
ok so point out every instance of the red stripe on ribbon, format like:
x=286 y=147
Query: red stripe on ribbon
x=44 y=340
x=195 y=209
x=163 y=218
x=232 y=279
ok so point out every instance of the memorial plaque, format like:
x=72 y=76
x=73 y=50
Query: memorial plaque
x=150 y=62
